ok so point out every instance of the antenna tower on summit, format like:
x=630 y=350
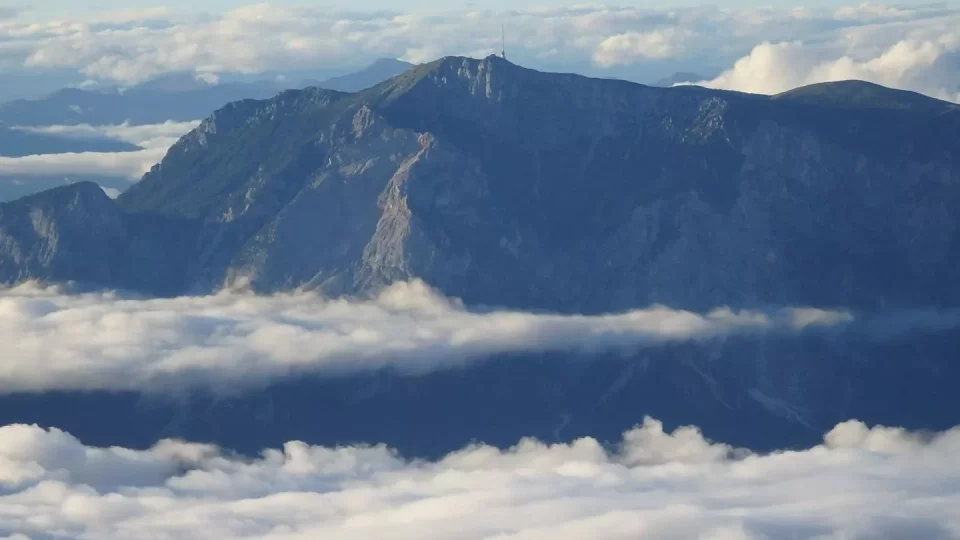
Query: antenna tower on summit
x=503 y=43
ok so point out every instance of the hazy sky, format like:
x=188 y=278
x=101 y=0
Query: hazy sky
x=46 y=8
x=761 y=46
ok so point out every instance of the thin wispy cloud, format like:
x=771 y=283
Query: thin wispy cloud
x=860 y=483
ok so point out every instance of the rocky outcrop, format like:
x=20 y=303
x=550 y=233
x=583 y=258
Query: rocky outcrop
x=69 y=233
x=506 y=186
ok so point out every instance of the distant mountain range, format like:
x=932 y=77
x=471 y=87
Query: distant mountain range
x=19 y=143
x=372 y=75
x=505 y=186
x=178 y=97
x=680 y=77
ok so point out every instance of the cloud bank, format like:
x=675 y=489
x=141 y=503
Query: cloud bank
x=145 y=136
x=106 y=341
x=130 y=165
x=860 y=483
x=911 y=47
x=155 y=139
x=232 y=339
x=927 y=62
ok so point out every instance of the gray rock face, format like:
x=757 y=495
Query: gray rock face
x=507 y=186
x=70 y=233
x=76 y=233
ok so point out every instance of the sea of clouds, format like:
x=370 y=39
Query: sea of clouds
x=862 y=482
x=865 y=483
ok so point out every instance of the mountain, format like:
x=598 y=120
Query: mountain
x=77 y=233
x=508 y=186
x=16 y=142
x=18 y=185
x=588 y=195
x=679 y=77
x=865 y=95
x=184 y=82
x=372 y=75
x=177 y=96
x=505 y=186
x=24 y=83
x=146 y=105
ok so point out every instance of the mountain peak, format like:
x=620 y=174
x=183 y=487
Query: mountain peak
x=88 y=193
x=461 y=73
x=857 y=94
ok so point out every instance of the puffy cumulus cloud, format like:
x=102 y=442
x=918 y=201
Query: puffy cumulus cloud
x=154 y=139
x=921 y=57
x=860 y=483
x=628 y=48
x=107 y=341
x=134 y=46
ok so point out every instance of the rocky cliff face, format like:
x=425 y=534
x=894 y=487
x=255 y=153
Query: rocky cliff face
x=69 y=233
x=508 y=186
x=77 y=234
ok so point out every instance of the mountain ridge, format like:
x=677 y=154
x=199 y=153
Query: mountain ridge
x=462 y=171
x=176 y=97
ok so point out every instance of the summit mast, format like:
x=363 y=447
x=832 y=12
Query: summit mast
x=503 y=43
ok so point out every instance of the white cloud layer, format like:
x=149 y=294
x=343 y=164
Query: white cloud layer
x=860 y=483
x=130 y=165
x=225 y=341
x=910 y=47
x=105 y=341
x=155 y=139
x=150 y=136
